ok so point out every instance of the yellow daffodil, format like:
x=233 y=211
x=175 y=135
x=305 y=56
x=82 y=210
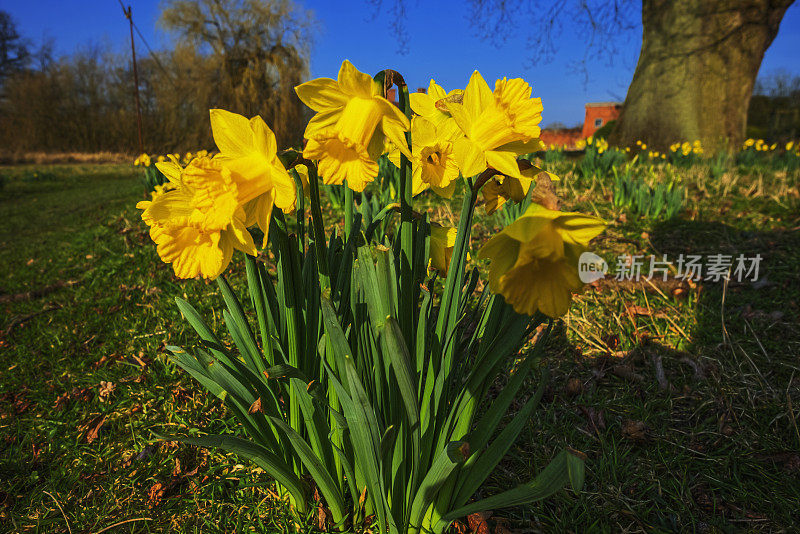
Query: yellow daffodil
x=497 y=125
x=443 y=239
x=501 y=189
x=248 y=149
x=347 y=133
x=432 y=158
x=143 y=160
x=159 y=190
x=197 y=225
x=302 y=172
x=433 y=106
x=789 y=146
x=535 y=259
x=161 y=159
x=580 y=144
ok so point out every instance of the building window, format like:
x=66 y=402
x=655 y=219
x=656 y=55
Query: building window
x=598 y=123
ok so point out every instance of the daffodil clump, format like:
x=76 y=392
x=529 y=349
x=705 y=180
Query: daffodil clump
x=360 y=370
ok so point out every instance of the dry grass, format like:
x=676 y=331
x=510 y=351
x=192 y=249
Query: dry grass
x=53 y=158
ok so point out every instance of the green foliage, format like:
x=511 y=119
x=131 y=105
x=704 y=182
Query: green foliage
x=84 y=226
x=719 y=164
x=336 y=381
x=635 y=196
x=600 y=162
x=152 y=178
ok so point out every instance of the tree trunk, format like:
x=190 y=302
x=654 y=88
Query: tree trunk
x=696 y=70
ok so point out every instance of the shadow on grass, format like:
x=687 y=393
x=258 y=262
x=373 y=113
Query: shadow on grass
x=691 y=436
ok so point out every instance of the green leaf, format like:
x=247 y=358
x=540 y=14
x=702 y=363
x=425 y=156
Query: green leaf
x=321 y=476
x=554 y=477
x=446 y=461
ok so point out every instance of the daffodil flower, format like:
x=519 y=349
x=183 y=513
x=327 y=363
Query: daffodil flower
x=501 y=189
x=347 y=133
x=498 y=125
x=433 y=161
x=432 y=105
x=197 y=225
x=443 y=240
x=534 y=259
x=248 y=149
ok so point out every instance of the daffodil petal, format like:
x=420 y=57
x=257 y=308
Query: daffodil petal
x=354 y=82
x=321 y=94
x=504 y=162
x=477 y=95
x=232 y=133
x=469 y=156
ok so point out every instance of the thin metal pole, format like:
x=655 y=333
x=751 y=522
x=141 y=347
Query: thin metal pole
x=129 y=16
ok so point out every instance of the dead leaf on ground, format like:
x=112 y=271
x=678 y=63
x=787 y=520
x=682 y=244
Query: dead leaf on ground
x=574 y=387
x=92 y=428
x=155 y=494
x=77 y=393
x=477 y=522
x=106 y=389
x=634 y=430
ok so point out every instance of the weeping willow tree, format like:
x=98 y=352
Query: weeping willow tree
x=259 y=49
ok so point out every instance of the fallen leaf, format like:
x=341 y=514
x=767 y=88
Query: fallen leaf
x=477 y=522
x=574 y=387
x=155 y=495
x=106 y=389
x=634 y=430
x=255 y=407
x=94 y=427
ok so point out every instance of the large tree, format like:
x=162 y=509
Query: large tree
x=697 y=65
x=261 y=49
x=696 y=70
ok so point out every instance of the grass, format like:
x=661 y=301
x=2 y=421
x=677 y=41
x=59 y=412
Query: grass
x=684 y=397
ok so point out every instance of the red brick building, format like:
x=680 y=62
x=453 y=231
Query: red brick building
x=598 y=114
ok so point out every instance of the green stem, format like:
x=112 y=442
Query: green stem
x=407 y=281
x=348 y=210
x=320 y=242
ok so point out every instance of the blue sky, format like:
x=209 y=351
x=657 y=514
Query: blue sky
x=443 y=45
